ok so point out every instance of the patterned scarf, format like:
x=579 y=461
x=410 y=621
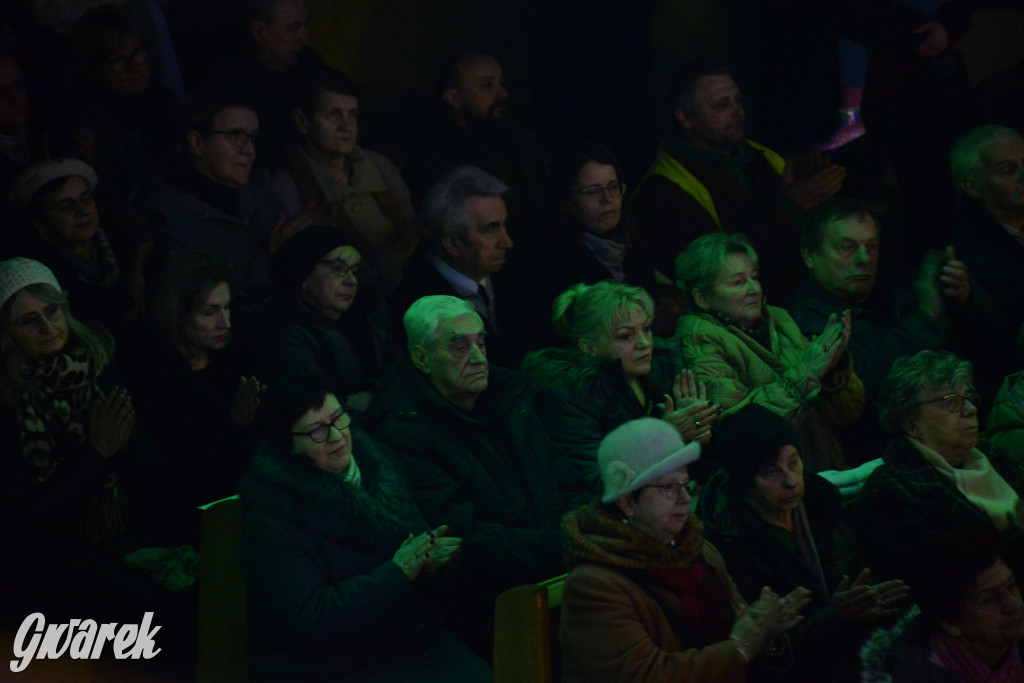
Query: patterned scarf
x=948 y=653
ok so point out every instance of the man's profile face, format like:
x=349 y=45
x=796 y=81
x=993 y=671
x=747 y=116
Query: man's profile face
x=717 y=119
x=847 y=263
x=281 y=41
x=457 y=361
x=479 y=90
x=999 y=183
x=481 y=251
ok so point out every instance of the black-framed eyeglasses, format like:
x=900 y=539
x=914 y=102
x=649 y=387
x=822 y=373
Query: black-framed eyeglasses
x=120 y=64
x=613 y=190
x=955 y=403
x=340 y=269
x=672 y=492
x=238 y=137
x=322 y=431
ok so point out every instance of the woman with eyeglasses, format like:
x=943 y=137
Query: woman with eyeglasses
x=777 y=525
x=193 y=388
x=325 y=327
x=344 y=580
x=933 y=475
x=647 y=598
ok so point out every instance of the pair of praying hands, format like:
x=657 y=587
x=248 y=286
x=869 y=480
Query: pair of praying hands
x=688 y=409
x=427 y=552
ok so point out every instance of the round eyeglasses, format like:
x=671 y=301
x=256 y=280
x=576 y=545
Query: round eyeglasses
x=322 y=431
x=955 y=403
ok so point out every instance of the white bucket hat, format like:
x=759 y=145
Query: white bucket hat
x=638 y=452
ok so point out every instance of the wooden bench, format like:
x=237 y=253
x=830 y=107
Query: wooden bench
x=526 y=633
x=221 y=653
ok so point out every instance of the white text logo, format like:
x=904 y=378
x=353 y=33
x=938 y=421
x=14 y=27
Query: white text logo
x=81 y=639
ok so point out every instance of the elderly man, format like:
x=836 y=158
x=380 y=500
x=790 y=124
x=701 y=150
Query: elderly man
x=988 y=167
x=710 y=178
x=479 y=130
x=465 y=213
x=891 y=317
x=216 y=203
x=478 y=456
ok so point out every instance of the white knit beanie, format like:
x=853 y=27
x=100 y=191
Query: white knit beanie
x=18 y=273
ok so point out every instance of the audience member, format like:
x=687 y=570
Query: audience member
x=777 y=526
x=54 y=200
x=933 y=476
x=195 y=395
x=325 y=328
x=123 y=119
x=478 y=130
x=647 y=598
x=840 y=245
x=749 y=352
x=216 y=203
x=478 y=456
x=710 y=178
x=613 y=371
x=987 y=166
x=465 y=213
x=339 y=564
x=968 y=622
x=369 y=201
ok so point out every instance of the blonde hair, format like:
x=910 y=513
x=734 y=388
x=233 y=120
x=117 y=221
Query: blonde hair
x=590 y=311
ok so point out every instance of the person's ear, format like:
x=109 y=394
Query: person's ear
x=419 y=359
x=301 y=121
x=586 y=347
x=908 y=426
x=258 y=31
x=627 y=505
x=194 y=141
x=682 y=118
x=808 y=261
x=700 y=299
x=969 y=189
x=451 y=245
x=452 y=98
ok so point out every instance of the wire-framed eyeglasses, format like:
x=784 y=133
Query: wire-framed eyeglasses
x=322 y=431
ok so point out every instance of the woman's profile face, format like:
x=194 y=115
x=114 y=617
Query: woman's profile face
x=993 y=613
x=661 y=508
x=331 y=287
x=946 y=432
x=330 y=425
x=208 y=328
x=595 y=198
x=630 y=340
x=40 y=329
x=737 y=291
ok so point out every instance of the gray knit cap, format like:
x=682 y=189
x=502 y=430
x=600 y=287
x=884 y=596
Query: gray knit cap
x=18 y=273
x=638 y=452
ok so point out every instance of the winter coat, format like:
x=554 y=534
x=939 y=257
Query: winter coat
x=582 y=398
x=739 y=370
x=492 y=475
x=762 y=554
x=614 y=629
x=906 y=502
x=1005 y=425
x=325 y=600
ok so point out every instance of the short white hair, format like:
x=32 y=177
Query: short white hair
x=425 y=315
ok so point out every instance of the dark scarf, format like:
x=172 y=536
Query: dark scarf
x=760 y=332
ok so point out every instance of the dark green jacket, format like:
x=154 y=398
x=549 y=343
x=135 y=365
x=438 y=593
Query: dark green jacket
x=906 y=502
x=493 y=477
x=582 y=398
x=759 y=554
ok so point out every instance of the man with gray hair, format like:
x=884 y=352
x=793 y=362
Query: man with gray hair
x=988 y=166
x=466 y=216
x=478 y=456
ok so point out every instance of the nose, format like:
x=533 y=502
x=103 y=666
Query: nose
x=477 y=354
x=684 y=497
x=46 y=325
x=224 y=320
x=967 y=408
x=753 y=286
x=643 y=340
x=862 y=256
x=504 y=241
x=351 y=278
x=789 y=479
x=334 y=434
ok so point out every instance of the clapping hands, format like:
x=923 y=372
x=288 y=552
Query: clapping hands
x=427 y=552
x=688 y=409
x=826 y=349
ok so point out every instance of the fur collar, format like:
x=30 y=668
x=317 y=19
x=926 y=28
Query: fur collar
x=561 y=369
x=594 y=534
x=379 y=511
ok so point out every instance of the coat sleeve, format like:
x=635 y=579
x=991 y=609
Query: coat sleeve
x=287 y=586
x=715 y=355
x=606 y=638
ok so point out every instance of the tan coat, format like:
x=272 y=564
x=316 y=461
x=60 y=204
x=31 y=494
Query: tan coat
x=739 y=370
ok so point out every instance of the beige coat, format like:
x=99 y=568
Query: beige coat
x=739 y=370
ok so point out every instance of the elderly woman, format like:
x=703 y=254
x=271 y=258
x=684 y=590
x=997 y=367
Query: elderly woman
x=194 y=393
x=318 y=271
x=647 y=598
x=338 y=562
x=611 y=373
x=933 y=476
x=369 y=202
x=749 y=352
x=69 y=463
x=778 y=526
x=968 y=623
x=62 y=230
